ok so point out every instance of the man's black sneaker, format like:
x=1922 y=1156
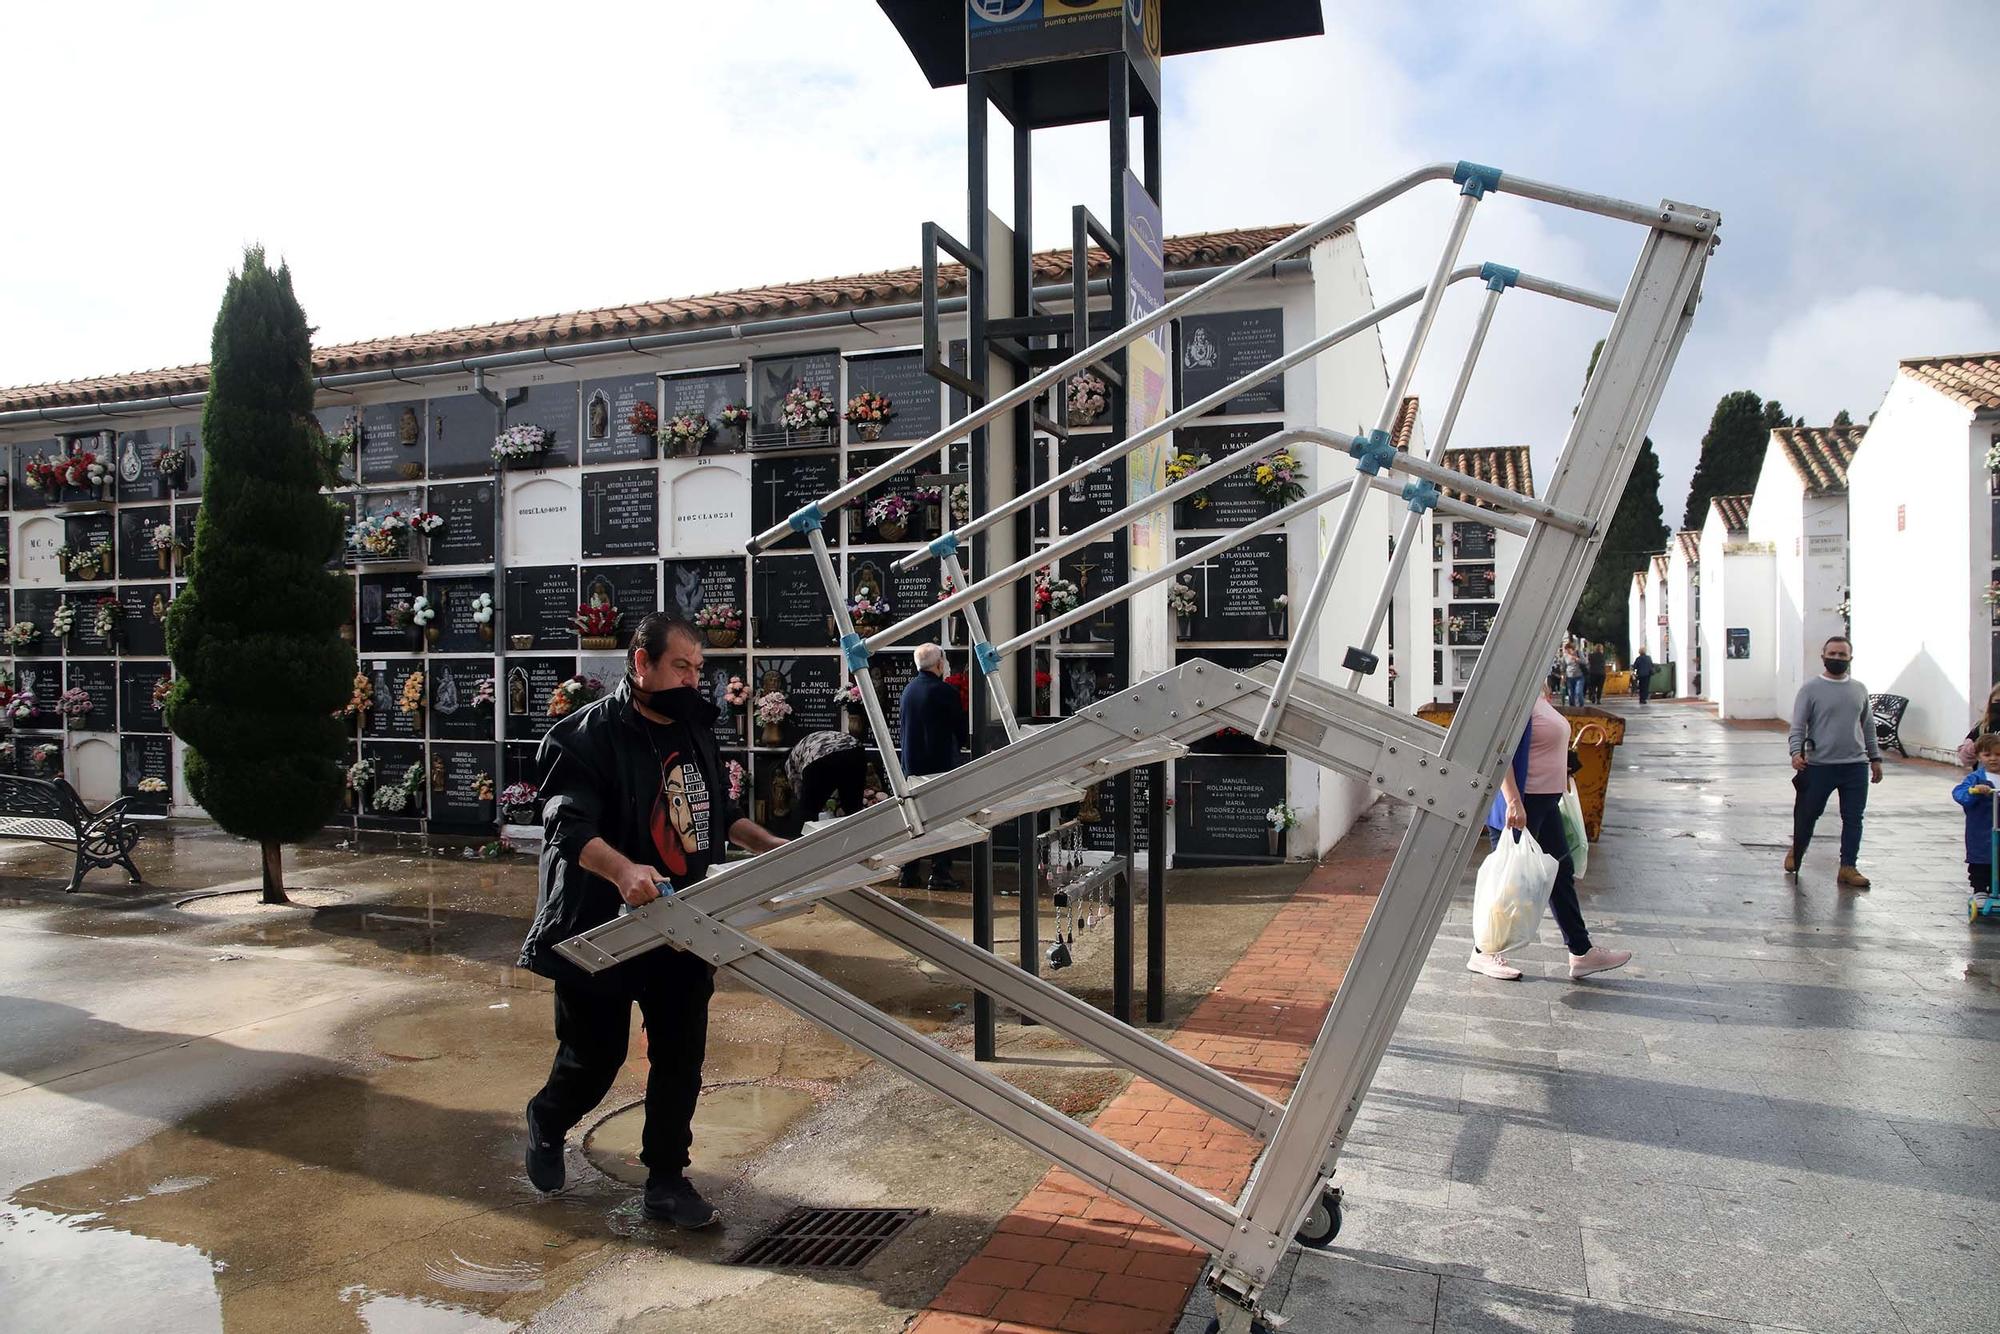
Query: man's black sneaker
x=545 y=1158
x=675 y=1200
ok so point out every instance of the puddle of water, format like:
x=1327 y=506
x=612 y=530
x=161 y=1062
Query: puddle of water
x=47 y=1262
x=384 y=1313
x=731 y=1124
x=250 y=902
x=471 y=1276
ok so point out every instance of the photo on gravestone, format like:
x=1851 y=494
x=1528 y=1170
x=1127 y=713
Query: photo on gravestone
x=632 y=589
x=387 y=715
x=136 y=683
x=1101 y=834
x=907 y=506
x=705 y=394
x=693 y=586
x=99 y=680
x=1082 y=681
x=392 y=441
x=612 y=417
x=780 y=488
x=386 y=625
x=1221 y=809
x=187 y=439
x=541 y=600
x=732 y=722
x=396 y=797
x=137 y=463
x=553 y=407
x=453 y=687
x=457 y=604
x=1220 y=347
x=896 y=667
x=462 y=427
x=146 y=773
x=340 y=425
x=1226 y=740
x=1236 y=499
x=772 y=379
x=525 y=694
x=1236 y=593
x=142 y=630
x=91 y=637
x=92 y=540
x=789 y=607
x=464 y=784
x=621 y=513
x=37 y=606
x=139 y=555
x=808 y=685
x=916 y=398
x=1096 y=570
x=186 y=519
x=467 y=535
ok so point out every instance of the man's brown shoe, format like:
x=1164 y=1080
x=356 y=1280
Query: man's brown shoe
x=1852 y=878
x=1792 y=862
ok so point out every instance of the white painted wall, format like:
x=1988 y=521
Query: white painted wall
x=1683 y=634
x=1747 y=685
x=1777 y=513
x=1920 y=534
x=1638 y=614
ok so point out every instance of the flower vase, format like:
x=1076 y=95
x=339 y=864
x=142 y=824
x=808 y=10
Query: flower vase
x=175 y=478
x=520 y=815
x=892 y=530
x=719 y=636
x=1276 y=624
x=1186 y=624
x=1082 y=418
x=773 y=734
x=934 y=518
x=85 y=572
x=166 y=559
x=868 y=431
x=108 y=491
x=485 y=633
x=432 y=634
x=1274 y=838
x=600 y=643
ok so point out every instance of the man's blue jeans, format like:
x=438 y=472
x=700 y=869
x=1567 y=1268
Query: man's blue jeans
x=1817 y=782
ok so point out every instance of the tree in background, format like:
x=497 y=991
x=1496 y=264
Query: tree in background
x=1637 y=530
x=1774 y=417
x=1731 y=454
x=1841 y=418
x=255 y=636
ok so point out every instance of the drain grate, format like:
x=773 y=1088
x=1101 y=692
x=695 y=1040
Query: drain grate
x=827 y=1238
x=1687 y=780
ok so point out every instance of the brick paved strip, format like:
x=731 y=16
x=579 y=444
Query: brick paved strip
x=1070 y=1258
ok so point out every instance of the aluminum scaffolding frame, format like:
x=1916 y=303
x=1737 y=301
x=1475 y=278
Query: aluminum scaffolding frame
x=1446 y=777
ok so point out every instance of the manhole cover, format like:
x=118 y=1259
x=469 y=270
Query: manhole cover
x=827 y=1238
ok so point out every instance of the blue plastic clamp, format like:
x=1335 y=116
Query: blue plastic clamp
x=1422 y=495
x=1475 y=180
x=1373 y=451
x=944 y=546
x=807 y=519
x=987 y=656
x=856 y=652
x=1498 y=276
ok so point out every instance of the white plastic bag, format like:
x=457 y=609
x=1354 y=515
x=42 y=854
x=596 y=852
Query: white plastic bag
x=1513 y=889
x=1575 y=832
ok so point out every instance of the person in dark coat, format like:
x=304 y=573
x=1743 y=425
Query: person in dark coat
x=933 y=722
x=1642 y=675
x=826 y=766
x=1593 y=663
x=635 y=799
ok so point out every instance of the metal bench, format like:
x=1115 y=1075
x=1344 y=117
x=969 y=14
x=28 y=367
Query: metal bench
x=1887 y=710
x=49 y=811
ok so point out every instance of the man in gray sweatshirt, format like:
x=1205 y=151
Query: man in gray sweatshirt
x=1833 y=750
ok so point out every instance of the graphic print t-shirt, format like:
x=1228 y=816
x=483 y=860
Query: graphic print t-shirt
x=682 y=825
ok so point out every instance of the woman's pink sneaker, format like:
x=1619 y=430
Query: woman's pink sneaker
x=1492 y=965
x=1599 y=960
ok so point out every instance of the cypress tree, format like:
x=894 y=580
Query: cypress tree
x=1841 y=418
x=255 y=636
x=1731 y=454
x=1636 y=531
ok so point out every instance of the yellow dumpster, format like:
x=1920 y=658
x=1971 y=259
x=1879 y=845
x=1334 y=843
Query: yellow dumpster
x=1593 y=733
x=1618 y=683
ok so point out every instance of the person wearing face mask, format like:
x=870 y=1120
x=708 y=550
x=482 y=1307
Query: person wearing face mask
x=1833 y=750
x=635 y=796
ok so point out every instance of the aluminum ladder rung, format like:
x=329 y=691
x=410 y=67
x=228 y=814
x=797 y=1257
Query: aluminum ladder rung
x=940 y=838
x=1040 y=797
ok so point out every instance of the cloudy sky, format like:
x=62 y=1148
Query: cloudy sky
x=428 y=166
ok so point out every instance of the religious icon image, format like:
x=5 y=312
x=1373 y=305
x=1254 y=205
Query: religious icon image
x=517 y=691
x=1200 y=353
x=686 y=591
x=437 y=773
x=868 y=582
x=159 y=608
x=129 y=465
x=600 y=592
x=600 y=416
x=409 y=430
x=384 y=701
x=772 y=680
x=444 y=699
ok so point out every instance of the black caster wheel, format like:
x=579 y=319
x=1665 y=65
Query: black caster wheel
x=1322 y=1225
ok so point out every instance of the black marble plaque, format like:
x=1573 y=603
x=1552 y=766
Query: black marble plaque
x=916 y=397
x=21 y=495
x=631 y=588
x=462 y=427
x=137 y=557
x=621 y=513
x=142 y=758
x=909 y=591
x=1101 y=834
x=771 y=378
x=454 y=685
x=716 y=671
x=1230 y=740
x=1096 y=570
x=83 y=531
x=143 y=631
x=186 y=519
x=808 y=684
x=707 y=393
x=37 y=606
x=1234 y=500
x=541 y=600
x=1472 y=541
x=553 y=407
x=518 y=758
x=139 y=478
x=1221 y=347
x=781 y=487
x=187 y=439
x=457 y=632
x=135 y=695
x=381 y=594
x=346 y=507
x=1472 y=583
x=386 y=718
x=694 y=584
x=392 y=761
x=456 y=775
x=392 y=441
x=341 y=419
x=27 y=760
x=1234 y=591
x=43 y=680
x=99 y=680
x=790 y=609
x=1088 y=499
x=925 y=517
x=525 y=693
x=467 y=535
x=1083 y=680
x=85 y=641
x=608 y=436
x=1220 y=806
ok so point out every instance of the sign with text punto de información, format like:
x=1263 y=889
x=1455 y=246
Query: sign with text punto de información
x=1148 y=378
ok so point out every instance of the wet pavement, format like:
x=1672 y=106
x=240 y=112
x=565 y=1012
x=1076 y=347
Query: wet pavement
x=222 y=1115
x=1784 y=1114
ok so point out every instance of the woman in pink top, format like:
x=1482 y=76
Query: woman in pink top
x=1531 y=792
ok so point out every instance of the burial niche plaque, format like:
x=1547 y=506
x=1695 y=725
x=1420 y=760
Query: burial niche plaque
x=392 y=441
x=456 y=602
x=1220 y=808
x=99 y=680
x=553 y=407
x=621 y=513
x=454 y=688
x=187 y=439
x=791 y=610
x=467 y=535
x=771 y=378
x=525 y=694
x=1219 y=348
x=387 y=717
x=1234 y=500
x=144 y=758
x=716 y=671
x=385 y=623
x=136 y=683
x=461 y=435
x=629 y=588
x=138 y=556
x=693 y=585
x=541 y=599
x=459 y=776
x=706 y=394
x=137 y=463
x=1236 y=592
x=915 y=397
x=85 y=535
x=808 y=685
x=608 y=406
x=392 y=761
x=37 y=606
x=779 y=488
x=142 y=631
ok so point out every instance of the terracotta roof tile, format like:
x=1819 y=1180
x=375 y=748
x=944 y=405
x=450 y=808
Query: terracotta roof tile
x=855 y=292
x=1820 y=454
x=1973 y=379
x=1405 y=428
x=1660 y=563
x=1498 y=465
x=1690 y=540
x=1735 y=512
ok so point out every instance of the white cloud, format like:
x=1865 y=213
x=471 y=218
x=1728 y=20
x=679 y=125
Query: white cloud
x=1842 y=352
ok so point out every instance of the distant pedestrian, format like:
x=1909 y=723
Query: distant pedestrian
x=933 y=722
x=1833 y=750
x=1594 y=669
x=1642 y=675
x=1988 y=724
x=1574 y=676
x=1975 y=793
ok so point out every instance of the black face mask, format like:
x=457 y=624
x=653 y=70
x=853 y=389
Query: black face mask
x=1835 y=666
x=679 y=702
